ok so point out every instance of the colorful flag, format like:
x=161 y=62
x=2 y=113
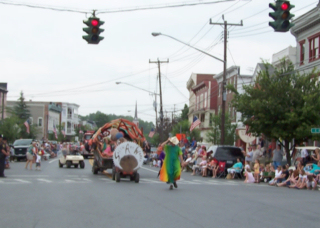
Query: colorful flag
x=151 y=134
x=55 y=131
x=195 y=123
x=80 y=132
x=64 y=133
x=26 y=123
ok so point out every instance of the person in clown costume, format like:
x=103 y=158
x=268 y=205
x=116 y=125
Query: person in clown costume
x=171 y=169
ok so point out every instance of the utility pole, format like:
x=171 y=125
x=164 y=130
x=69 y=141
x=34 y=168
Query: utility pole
x=161 y=110
x=223 y=92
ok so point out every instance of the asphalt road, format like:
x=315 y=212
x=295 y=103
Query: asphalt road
x=61 y=197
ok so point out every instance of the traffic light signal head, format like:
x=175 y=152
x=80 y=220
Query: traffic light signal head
x=281 y=16
x=93 y=30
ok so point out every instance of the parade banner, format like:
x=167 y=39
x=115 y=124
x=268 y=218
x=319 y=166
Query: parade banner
x=128 y=156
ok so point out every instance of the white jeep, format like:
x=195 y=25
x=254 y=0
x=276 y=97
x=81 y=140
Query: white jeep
x=69 y=160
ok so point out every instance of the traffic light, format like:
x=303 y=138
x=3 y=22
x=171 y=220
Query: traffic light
x=281 y=16
x=93 y=30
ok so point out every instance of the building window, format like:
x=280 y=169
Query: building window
x=30 y=120
x=201 y=101
x=314 y=47
x=40 y=122
x=202 y=118
x=205 y=99
x=302 y=51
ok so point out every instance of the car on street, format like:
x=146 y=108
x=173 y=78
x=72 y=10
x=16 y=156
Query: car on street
x=228 y=154
x=21 y=147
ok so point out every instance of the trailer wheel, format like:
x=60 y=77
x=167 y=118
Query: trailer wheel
x=137 y=178
x=113 y=173
x=117 y=176
x=94 y=168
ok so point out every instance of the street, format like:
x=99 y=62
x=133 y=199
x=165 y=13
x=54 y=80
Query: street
x=61 y=197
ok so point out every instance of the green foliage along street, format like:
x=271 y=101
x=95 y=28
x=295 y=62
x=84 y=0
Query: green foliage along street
x=282 y=104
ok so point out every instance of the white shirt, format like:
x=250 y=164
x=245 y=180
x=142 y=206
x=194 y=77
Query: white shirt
x=278 y=173
x=304 y=153
x=38 y=158
x=188 y=159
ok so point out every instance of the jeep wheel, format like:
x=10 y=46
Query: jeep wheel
x=136 y=178
x=60 y=165
x=75 y=166
x=82 y=164
x=117 y=176
x=68 y=164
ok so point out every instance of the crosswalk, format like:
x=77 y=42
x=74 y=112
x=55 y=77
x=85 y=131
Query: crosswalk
x=86 y=179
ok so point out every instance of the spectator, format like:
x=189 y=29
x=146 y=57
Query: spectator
x=189 y=163
x=311 y=182
x=203 y=152
x=256 y=169
x=204 y=164
x=313 y=168
x=304 y=156
x=277 y=156
x=256 y=154
x=193 y=143
x=291 y=180
x=277 y=175
x=236 y=168
x=200 y=162
x=302 y=181
x=316 y=156
x=248 y=155
x=248 y=174
x=284 y=175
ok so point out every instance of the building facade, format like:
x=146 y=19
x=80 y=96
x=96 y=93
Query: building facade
x=69 y=118
x=307 y=33
x=202 y=100
x=44 y=115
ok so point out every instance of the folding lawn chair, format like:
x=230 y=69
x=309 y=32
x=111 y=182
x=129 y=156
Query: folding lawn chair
x=222 y=169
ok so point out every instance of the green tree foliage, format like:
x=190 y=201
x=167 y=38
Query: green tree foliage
x=185 y=126
x=214 y=135
x=282 y=104
x=21 y=109
x=10 y=129
x=185 y=112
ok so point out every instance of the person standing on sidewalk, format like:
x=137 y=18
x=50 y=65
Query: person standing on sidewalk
x=277 y=156
x=3 y=154
x=171 y=169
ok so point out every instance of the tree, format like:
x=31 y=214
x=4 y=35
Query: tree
x=214 y=135
x=10 y=129
x=282 y=104
x=185 y=129
x=21 y=109
x=185 y=112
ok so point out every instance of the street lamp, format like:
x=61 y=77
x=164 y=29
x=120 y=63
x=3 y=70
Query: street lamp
x=224 y=96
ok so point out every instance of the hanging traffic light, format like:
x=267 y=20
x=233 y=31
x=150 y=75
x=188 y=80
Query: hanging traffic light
x=93 y=30
x=281 y=16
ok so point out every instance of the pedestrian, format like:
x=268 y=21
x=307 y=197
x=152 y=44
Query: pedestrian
x=32 y=151
x=171 y=168
x=277 y=156
x=38 y=160
x=3 y=154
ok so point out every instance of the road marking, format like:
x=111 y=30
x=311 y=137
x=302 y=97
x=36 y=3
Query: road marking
x=149 y=180
x=149 y=170
x=69 y=181
x=44 y=180
x=53 y=160
x=205 y=182
x=91 y=162
x=22 y=181
x=28 y=176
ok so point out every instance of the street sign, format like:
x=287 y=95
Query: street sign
x=315 y=130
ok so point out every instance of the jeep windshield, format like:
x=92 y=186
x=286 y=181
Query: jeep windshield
x=22 y=142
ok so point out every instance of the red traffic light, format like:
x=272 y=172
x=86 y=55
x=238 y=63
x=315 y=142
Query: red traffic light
x=285 y=6
x=94 y=22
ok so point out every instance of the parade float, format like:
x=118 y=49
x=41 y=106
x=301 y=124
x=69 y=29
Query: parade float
x=127 y=156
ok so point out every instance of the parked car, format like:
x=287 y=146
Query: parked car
x=21 y=146
x=229 y=154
